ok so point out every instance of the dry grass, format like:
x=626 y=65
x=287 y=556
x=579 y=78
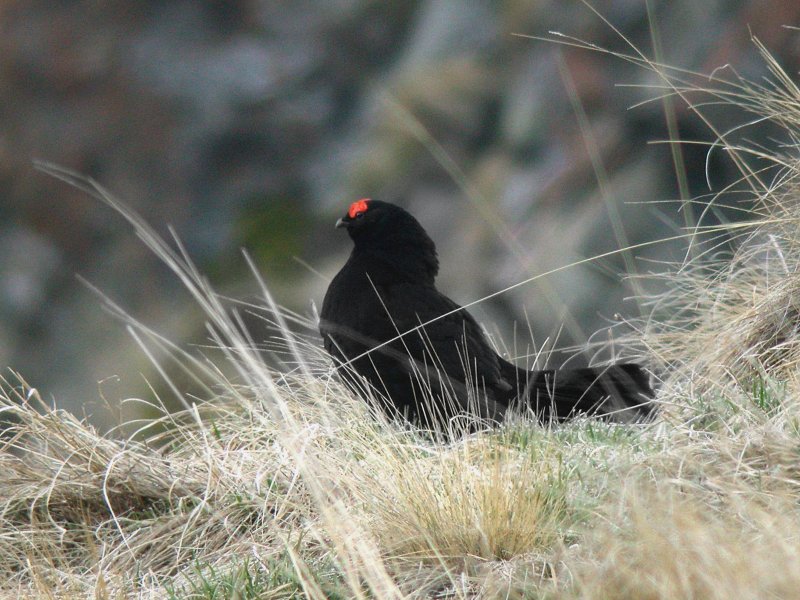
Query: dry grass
x=281 y=484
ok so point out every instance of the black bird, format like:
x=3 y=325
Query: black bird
x=387 y=327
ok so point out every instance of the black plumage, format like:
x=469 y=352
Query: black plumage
x=387 y=327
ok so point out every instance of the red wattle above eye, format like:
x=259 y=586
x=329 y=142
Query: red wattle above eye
x=359 y=206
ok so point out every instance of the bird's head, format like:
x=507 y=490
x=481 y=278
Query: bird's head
x=385 y=228
x=368 y=218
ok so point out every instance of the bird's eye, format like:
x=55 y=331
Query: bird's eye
x=359 y=215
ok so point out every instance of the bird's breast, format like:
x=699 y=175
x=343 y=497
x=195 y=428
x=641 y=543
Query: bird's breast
x=355 y=304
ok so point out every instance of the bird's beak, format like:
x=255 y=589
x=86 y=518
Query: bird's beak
x=341 y=223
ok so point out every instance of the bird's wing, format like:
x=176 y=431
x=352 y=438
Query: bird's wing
x=454 y=344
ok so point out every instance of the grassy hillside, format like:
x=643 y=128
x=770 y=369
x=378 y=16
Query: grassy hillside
x=276 y=482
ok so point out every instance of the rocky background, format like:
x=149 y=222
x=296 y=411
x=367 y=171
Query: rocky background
x=254 y=123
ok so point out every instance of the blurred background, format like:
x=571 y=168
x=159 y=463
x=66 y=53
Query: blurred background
x=254 y=123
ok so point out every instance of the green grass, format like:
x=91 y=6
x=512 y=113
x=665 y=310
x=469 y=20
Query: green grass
x=251 y=580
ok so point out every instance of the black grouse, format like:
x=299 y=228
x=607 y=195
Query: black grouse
x=388 y=328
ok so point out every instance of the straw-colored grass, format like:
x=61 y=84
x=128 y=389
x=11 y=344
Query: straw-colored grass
x=279 y=483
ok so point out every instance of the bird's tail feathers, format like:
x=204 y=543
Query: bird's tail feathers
x=621 y=392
